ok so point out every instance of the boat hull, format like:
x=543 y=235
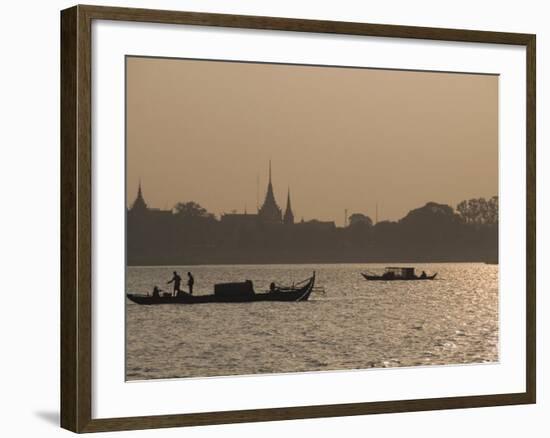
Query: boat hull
x=381 y=278
x=298 y=294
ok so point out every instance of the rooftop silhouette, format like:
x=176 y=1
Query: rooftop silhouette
x=189 y=234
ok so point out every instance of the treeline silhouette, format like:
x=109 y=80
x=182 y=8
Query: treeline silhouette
x=189 y=234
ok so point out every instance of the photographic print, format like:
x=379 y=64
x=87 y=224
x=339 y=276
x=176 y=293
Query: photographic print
x=287 y=218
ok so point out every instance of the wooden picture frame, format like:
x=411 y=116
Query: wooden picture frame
x=76 y=218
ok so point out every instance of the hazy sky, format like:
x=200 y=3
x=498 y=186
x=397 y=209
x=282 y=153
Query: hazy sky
x=340 y=138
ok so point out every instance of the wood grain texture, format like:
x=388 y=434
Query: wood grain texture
x=338 y=410
x=531 y=211
x=69 y=329
x=301 y=25
x=76 y=223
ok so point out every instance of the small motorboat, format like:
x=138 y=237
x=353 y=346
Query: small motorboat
x=392 y=273
x=241 y=292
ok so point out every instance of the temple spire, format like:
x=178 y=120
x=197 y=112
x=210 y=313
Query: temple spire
x=270 y=212
x=289 y=215
x=139 y=204
x=140 y=194
x=270 y=197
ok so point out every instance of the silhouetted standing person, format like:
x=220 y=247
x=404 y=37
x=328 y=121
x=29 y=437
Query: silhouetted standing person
x=190 y=282
x=176 y=279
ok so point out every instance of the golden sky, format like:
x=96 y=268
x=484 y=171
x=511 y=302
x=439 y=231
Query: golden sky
x=340 y=138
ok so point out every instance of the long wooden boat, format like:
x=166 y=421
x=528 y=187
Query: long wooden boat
x=398 y=274
x=233 y=293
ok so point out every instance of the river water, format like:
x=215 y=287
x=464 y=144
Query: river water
x=354 y=324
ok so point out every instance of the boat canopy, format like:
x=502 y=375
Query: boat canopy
x=244 y=289
x=399 y=271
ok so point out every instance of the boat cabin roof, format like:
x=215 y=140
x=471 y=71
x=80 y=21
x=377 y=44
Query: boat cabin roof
x=400 y=271
x=399 y=268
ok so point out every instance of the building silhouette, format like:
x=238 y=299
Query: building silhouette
x=140 y=211
x=269 y=214
x=188 y=234
x=288 y=218
x=139 y=205
x=149 y=231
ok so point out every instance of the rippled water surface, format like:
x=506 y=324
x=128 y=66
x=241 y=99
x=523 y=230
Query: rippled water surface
x=355 y=324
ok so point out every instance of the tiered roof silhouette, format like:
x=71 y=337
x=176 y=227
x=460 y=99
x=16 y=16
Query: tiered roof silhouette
x=268 y=214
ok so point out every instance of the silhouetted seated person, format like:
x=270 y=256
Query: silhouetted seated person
x=423 y=275
x=176 y=279
x=156 y=292
x=190 y=282
x=272 y=287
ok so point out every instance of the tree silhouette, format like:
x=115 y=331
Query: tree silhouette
x=191 y=210
x=479 y=211
x=434 y=232
x=360 y=220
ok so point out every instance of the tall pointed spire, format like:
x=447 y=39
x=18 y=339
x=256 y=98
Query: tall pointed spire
x=289 y=216
x=270 y=212
x=139 y=204
x=270 y=197
x=140 y=194
x=269 y=185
